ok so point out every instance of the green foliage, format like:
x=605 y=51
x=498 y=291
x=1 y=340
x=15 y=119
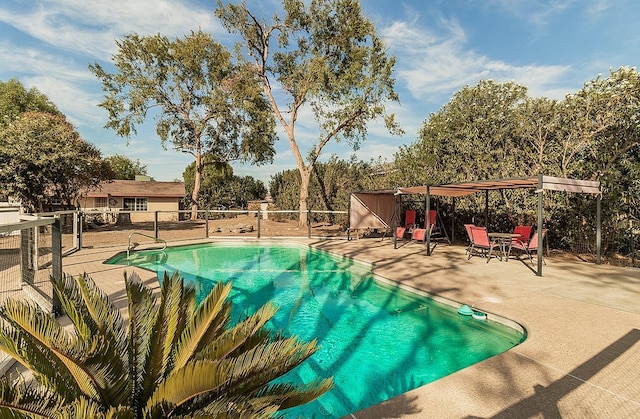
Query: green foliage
x=169 y=358
x=471 y=137
x=124 y=168
x=495 y=130
x=220 y=188
x=15 y=99
x=323 y=54
x=204 y=104
x=330 y=187
x=43 y=156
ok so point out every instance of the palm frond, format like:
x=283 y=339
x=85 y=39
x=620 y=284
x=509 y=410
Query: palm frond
x=93 y=363
x=210 y=317
x=18 y=400
x=168 y=324
x=32 y=346
x=250 y=329
x=288 y=395
x=177 y=298
x=81 y=408
x=257 y=367
x=101 y=335
x=142 y=314
x=234 y=408
x=106 y=319
x=197 y=377
x=48 y=370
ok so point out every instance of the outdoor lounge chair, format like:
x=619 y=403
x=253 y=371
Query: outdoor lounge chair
x=409 y=224
x=409 y=218
x=420 y=234
x=532 y=246
x=481 y=242
x=470 y=236
x=524 y=232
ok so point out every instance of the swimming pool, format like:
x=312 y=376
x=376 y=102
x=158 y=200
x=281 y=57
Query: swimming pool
x=377 y=341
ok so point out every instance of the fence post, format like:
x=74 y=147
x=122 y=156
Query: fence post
x=56 y=262
x=155 y=224
x=36 y=247
x=75 y=230
x=308 y=224
x=206 y=224
x=27 y=272
x=79 y=229
x=259 y=216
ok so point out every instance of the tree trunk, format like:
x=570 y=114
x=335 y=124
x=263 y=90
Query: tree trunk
x=196 y=186
x=305 y=176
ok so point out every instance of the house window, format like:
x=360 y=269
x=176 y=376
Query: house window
x=100 y=202
x=135 y=204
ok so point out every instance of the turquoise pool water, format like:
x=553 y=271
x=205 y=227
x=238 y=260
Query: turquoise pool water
x=377 y=341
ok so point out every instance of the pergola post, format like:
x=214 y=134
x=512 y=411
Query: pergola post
x=486 y=208
x=453 y=219
x=539 y=227
x=598 y=228
x=427 y=221
x=395 y=218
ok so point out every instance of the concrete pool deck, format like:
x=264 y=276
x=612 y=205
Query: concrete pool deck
x=581 y=357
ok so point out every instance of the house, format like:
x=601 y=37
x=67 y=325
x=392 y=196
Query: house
x=9 y=211
x=140 y=198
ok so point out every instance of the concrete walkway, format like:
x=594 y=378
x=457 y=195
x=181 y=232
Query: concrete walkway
x=581 y=358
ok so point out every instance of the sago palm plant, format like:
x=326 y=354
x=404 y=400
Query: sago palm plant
x=169 y=358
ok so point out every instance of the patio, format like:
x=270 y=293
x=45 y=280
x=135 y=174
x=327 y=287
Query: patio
x=581 y=357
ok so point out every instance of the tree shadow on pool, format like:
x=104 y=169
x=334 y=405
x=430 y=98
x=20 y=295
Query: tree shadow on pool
x=392 y=303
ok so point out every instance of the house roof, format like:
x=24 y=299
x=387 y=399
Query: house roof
x=140 y=189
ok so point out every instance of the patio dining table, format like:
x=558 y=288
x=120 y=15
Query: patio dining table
x=504 y=241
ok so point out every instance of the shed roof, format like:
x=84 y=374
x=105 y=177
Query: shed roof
x=140 y=189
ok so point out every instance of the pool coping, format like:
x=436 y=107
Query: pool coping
x=580 y=357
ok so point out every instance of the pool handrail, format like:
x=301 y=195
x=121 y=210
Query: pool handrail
x=156 y=240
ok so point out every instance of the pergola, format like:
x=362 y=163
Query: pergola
x=540 y=183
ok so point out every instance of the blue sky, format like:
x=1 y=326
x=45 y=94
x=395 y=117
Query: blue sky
x=551 y=46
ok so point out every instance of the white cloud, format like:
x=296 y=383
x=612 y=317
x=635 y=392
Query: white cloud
x=435 y=65
x=536 y=12
x=62 y=80
x=93 y=26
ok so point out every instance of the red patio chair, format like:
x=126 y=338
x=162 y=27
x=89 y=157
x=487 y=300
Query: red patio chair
x=532 y=246
x=524 y=232
x=420 y=234
x=409 y=218
x=481 y=241
x=468 y=228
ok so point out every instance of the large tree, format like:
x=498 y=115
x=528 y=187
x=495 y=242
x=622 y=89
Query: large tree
x=205 y=104
x=15 y=99
x=602 y=138
x=324 y=56
x=125 y=168
x=222 y=189
x=330 y=187
x=43 y=156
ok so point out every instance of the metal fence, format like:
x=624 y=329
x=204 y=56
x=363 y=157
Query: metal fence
x=30 y=253
x=620 y=243
x=82 y=229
